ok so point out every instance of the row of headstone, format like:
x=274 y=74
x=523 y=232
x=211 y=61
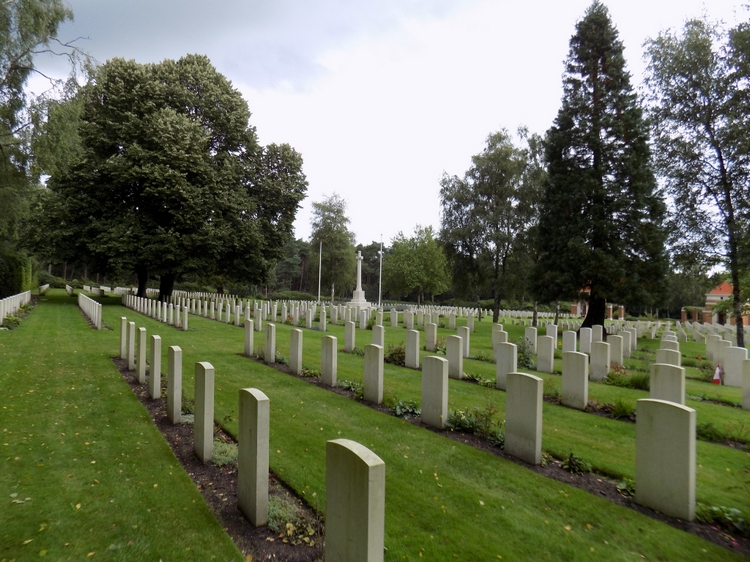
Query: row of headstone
x=43 y=288
x=10 y=305
x=92 y=310
x=167 y=313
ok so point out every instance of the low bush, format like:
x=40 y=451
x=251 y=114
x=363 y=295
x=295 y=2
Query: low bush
x=395 y=354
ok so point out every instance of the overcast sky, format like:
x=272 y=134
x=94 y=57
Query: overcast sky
x=379 y=96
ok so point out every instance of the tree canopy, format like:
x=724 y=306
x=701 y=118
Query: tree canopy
x=416 y=264
x=487 y=216
x=170 y=179
x=601 y=215
x=339 y=266
x=698 y=82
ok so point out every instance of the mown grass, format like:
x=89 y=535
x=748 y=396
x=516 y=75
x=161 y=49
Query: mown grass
x=85 y=474
x=444 y=499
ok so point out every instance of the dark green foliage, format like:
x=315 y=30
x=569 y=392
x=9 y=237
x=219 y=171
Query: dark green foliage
x=709 y=432
x=339 y=264
x=524 y=357
x=576 y=465
x=727 y=516
x=170 y=179
x=356 y=387
x=406 y=409
x=16 y=274
x=601 y=216
x=480 y=422
x=395 y=354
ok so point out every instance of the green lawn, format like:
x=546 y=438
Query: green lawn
x=444 y=500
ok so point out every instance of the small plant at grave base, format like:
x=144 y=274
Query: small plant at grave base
x=621 y=409
x=689 y=362
x=551 y=389
x=310 y=373
x=524 y=357
x=544 y=461
x=353 y=386
x=370 y=323
x=389 y=399
x=641 y=381
x=479 y=379
x=288 y=521
x=396 y=354
x=11 y=322
x=188 y=405
x=576 y=465
x=727 y=516
x=281 y=359
x=707 y=431
x=738 y=431
x=289 y=320
x=224 y=453
x=626 y=487
x=260 y=354
x=480 y=422
x=358 y=351
x=442 y=324
x=440 y=345
x=407 y=409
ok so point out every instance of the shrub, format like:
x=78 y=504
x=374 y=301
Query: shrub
x=576 y=465
x=224 y=453
x=406 y=409
x=524 y=357
x=621 y=409
x=358 y=351
x=310 y=373
x=356 y=387
x=395 y=354
x=626 y=487
x=709 y=432
x=480 y=422
x=551 y=390
x=641 y=381
x=726 y=516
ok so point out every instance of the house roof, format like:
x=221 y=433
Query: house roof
x=724 y=288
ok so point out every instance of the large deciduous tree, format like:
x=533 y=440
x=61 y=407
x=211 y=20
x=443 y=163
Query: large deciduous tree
x=339 y=265
x=170 y=179
x=601 y=224
x=416 y=264
x=485 y=216
x=698 y=82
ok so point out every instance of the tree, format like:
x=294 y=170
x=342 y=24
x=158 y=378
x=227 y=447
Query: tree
x=339 y=265
x=170 y=180
x=416 y=264
x=27 y=28
x=698 y=103
x=601 y=225
x=485 y=214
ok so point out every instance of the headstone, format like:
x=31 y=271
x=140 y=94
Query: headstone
x=378 y=335
x=355 y=503
x=465 y=333
x=719 y=348
x=599 y=360
x=329 y=360
x=615 y=350
x=142 y=354
x=575 y=380
x=435 y=391
x=373 y=380
x=204 y=411
x=349 y=336
x=734 y=361
x=174 y=384
x=746 y=384
x=530 y=337
x=409 y=320
x=249 y=338
x=430 y=336
x=568 y=341
x=586 y=335
x=597 y=333
x=667 y=383
x=665 y=458
x=669 y=357
x=711 y=340
x=552 y=331
x=131 y=346
x=252 y=455
x=154 y=372
x=506 y=362
x=295 y=351
x=394 y=318
x=669 y=344
x=322 y=320
x=470 y=322
x=454 y=353
x=269 y=352
x=545 y=346
x=452 y=321
x=523 y=417
x=626 y=336
x=185 y=319
x=123 y=337
x=412 y=349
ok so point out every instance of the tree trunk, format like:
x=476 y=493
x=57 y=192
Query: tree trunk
x=166 y=286
x=557 y=313
x=496 y=307
x=595 y=314
x=737 y=306
x=65 y=271
x=535 y=315
x=142 y=274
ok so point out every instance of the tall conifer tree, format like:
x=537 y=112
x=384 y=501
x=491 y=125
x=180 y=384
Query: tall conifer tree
x=601 y=218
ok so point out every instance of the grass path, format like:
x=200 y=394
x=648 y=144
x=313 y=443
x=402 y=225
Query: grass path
x=85 y=474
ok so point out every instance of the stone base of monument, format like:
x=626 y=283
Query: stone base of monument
x=358 y=299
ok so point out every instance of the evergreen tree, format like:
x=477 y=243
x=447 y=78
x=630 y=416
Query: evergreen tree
x=601 y=218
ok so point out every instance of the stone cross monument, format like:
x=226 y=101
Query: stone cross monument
x=358 y=299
